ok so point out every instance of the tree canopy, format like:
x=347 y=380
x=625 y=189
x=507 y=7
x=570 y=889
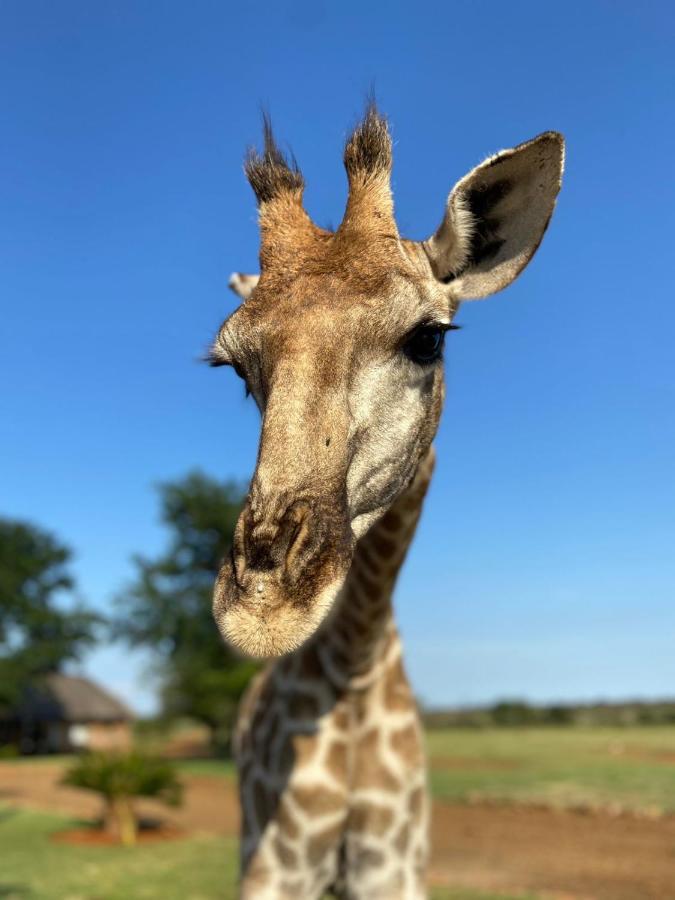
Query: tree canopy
x=168 y=606
x=38 y=631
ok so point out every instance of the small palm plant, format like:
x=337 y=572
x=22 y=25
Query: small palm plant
x=118 y=778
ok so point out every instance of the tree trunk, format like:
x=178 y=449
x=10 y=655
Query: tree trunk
x=127 y=821
x=120 y=820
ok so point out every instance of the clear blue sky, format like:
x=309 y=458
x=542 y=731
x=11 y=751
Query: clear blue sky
x=545 y=563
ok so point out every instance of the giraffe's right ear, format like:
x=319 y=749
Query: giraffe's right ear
x=496 y=217
x=243 y=285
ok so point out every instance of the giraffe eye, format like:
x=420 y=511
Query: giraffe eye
x=426 y=344
x=240 y=372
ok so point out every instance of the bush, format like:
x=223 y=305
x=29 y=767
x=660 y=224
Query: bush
x=118 y=778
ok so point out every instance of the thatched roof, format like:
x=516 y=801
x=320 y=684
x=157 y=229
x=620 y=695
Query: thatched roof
x=67 y=698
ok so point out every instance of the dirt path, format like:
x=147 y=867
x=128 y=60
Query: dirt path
x=556 y=854
x=561 y=855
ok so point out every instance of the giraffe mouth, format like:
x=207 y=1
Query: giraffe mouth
x=258 y=617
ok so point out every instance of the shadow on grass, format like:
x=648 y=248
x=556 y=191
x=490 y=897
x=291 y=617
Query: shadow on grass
x=15 y=891
x=144 y=824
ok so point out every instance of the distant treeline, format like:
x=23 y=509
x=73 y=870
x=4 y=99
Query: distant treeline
x=510 y=713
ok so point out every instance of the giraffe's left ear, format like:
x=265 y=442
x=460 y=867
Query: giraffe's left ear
x=496 y=217
x=243 y=285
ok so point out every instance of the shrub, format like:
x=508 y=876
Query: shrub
x=118 y=778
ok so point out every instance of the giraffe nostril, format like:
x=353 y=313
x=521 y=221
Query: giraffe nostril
x=299 y=536
x=238 y=566
x=263 y=556
x=284 y=543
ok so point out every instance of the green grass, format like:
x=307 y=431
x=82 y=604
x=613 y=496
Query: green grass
x=34 y=868
x=613 y=768
x=55 y=760
x=200 y=868
x=222 y=768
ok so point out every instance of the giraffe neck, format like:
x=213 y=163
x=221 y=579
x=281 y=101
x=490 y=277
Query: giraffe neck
x=355 y=643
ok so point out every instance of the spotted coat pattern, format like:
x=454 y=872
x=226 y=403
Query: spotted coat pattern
x=329 y=746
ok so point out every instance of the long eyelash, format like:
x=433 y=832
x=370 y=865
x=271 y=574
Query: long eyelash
x=442 y=326
x=212 y=359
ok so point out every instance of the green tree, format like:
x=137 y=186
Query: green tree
x=38 y=633
x=168 y=607
x=513 y=712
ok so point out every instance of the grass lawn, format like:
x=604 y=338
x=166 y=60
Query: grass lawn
x=627 y=768
x=34 y=868
x=201 y=868
x=224 y=768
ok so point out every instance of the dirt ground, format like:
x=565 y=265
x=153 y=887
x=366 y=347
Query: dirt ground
x=554 y=853
x=558 y=855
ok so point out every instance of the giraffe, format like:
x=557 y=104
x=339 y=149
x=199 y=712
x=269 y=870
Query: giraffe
x=340 y=341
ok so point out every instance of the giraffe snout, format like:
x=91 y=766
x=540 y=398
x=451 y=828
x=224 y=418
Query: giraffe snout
x=287 y=565
x=280 y=543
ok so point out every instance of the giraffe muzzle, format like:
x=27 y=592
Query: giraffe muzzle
x=286 y=568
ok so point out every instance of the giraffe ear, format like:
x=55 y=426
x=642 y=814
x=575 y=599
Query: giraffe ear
x=243 y=285
x=496 y=217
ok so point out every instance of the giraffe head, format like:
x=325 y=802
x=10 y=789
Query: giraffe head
x=340 y=340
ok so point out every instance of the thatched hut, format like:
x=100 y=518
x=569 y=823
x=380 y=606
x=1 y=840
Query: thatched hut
x=66 y=713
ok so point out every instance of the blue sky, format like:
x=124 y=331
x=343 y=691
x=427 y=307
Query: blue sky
x=544 y=566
